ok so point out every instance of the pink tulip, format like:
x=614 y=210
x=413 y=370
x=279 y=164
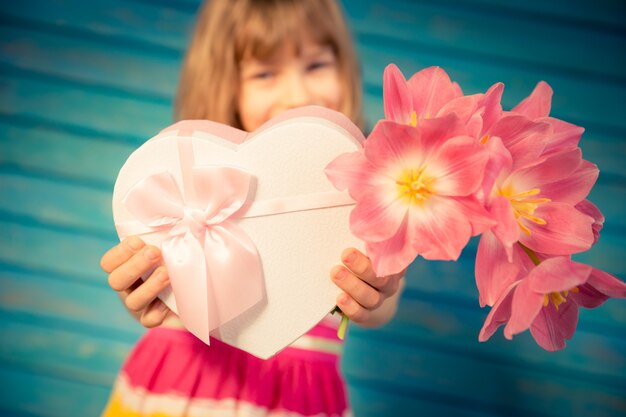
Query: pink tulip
x=588 y=208
x=536 y=107
x=413 y=188
x=535 y=203
x=541 y=206
x=431 y=94
x=420 y=98
x=546 y=297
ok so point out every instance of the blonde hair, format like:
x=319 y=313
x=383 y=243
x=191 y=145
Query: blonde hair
x=227 y=31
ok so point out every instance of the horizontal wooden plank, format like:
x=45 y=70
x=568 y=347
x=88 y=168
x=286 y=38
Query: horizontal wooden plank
x=605 y=14
x=81 y=60
x=62 y=354
x=607 y=255
x=606 y=151
x=373 y=401
x=124 y=23
x=61 y=253
x=487 y=34
x=57 y=203
x=75 y=306
x=609 y=195
x=25 y=392
x=107 y=114
x=513 y=390
x=58 y=154
x=14 y=413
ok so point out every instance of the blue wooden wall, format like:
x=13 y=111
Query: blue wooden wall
x=82 y=84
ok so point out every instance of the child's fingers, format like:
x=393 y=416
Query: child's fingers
x=355 y=311
x=154 y=314
x=122 y=277
x=359 y=290
x=145 y=293
x=361 y=266
x=358 y=263
x=120 y=253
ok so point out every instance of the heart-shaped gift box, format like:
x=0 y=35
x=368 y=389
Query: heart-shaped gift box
x=287 y=223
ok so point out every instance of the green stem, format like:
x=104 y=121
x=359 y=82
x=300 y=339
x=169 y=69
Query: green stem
x=343 y=326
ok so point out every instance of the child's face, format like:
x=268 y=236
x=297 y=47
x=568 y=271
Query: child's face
x=288 y=80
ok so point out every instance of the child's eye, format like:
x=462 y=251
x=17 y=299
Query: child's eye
x=318 y=65
x=262 y=75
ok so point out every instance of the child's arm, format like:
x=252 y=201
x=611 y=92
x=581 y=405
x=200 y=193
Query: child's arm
x=125 y=263
x=368 y=300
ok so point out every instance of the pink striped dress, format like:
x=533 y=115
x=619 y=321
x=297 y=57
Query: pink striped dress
x=172 y=373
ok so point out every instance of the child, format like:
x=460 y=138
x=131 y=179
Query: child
x=249 y=60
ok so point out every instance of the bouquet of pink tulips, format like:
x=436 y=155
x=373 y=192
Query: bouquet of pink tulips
x=443 y=167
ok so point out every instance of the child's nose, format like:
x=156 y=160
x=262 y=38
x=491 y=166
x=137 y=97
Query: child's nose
x=297 y=91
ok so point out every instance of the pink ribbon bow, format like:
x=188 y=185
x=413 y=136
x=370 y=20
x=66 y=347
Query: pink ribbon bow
x=214 y=267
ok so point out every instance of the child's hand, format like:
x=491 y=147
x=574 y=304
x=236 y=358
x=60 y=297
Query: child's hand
x=367 y=300
x=125 y=263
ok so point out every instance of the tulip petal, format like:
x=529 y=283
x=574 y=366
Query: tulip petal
x=524 y=138
x=393 y=255
x=524 y=308
x=607 y=284
x=439 y=230
x=397 y=99
x=566 y=135
x=392 y=144
x=507 y=229
x=499 y=314
x=498 y=165
x=349 y=171
x=434 y=133
x=573 y=188
x=480 y=219
x=557 y=274
x=376 y=218
x=552 y=327
x=464 y=107
x=588 y=297
x=431 y=89
x=538 y=103
x=458 y=167
x=566 y=231
x=590 y=209
x=491 y=107
x=493 y=272
x=552 y=169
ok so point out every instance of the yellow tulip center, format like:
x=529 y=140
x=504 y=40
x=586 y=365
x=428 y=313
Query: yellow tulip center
x=524 y=206
x=557 y=298
x=414 y=185
x=413 y=121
